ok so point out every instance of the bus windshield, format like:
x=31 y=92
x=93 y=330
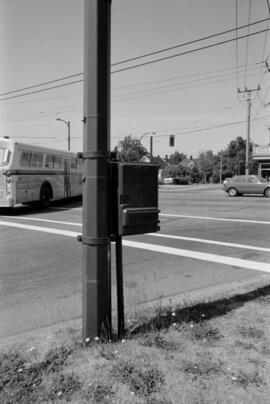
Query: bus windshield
x=4 y=156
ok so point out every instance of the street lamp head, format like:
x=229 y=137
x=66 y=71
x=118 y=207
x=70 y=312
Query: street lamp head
x=147 y=133
x=68 y=126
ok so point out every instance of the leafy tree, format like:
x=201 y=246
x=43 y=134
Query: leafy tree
x=206 y=162
x=176 y=158
x=130 y=149
x=234 y=160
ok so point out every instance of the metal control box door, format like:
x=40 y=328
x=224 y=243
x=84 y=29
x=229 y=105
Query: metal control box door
x=135 y=198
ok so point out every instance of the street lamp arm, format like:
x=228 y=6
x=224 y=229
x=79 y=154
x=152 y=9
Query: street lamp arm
x=147 y=133
x=62 y=120
x=68 y=126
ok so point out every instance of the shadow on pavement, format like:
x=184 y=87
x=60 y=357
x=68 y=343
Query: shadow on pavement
x=26 y=209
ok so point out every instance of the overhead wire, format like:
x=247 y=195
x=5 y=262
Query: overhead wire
x=188 y=43
x=175 y=88
x=131 y=59
x=268 y=5
x=193 y=131
x=236 y=45
x=260 y=79
x=139 y=65
x=189 y=51
x=247 y=43
x=145 y=83
x=187 y=132
x=180 y=86
x=41 y=84
x=251 y=65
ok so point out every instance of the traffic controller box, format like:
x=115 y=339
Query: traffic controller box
x=134 y=196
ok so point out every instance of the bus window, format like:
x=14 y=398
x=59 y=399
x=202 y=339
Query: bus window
x=4 y=156
x=73 y=163
x=57 y=162
x=49 y=161
x=79 y=164
x=36 y=160
x=25 y=159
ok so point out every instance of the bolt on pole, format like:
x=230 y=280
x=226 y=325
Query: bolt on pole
x=96 y=243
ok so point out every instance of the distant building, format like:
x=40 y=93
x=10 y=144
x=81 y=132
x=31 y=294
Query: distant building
x=262 y=155
x=188 y=163
x=160 y=162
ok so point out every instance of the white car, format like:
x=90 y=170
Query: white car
x=168 y=180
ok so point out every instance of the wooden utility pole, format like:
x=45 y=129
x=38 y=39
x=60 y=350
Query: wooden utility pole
x=248 y=123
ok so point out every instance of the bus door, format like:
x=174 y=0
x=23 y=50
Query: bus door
x=67 y=192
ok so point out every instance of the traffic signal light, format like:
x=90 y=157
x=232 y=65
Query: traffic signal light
x=171 y=141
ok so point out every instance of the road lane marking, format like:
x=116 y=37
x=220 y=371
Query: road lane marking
x=214 y=218
x=39 y=228
x=192 y=239
x=63 y=208
x=219 y=259
x=200 y=240
x=36 y=219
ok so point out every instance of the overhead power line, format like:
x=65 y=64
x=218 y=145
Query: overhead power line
x=141 y=64
x=146 y=92
x=41 y=90
x=190 y=42
x=189 y=132
x=174 y=87
x=190 y=51
x=41 y=84
x=249 y=11
x=135 y=58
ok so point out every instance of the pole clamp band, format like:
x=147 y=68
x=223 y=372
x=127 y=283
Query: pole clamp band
x=99 y=154
x=95 y=241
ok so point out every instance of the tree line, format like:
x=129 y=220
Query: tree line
x=208 y=167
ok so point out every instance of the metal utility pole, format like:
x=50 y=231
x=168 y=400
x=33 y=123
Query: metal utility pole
x=68 y=126
x=96 y=152
x=151 y=148
x=248 y=123
x=151 y=142
x=220 y=168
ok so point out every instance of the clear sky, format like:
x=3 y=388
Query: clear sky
x=192 y=96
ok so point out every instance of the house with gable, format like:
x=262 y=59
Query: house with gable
x=159 y=161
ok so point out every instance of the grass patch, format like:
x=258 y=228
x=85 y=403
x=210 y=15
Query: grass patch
x=203 y=366
x=142 y=378
x=210 y=353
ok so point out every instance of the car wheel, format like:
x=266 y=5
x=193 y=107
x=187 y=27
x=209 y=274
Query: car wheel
x=267 y=192
x=232 y=192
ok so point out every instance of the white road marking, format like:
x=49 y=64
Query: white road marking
x=36 y=219
x=39 y=228
x=200 y=240
x=63 y=208
x=219 y=259
x=214 y=218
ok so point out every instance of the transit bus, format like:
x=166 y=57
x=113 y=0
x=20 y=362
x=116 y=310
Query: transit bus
x=30 y=173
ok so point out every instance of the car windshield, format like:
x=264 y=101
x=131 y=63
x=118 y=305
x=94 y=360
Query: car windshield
x=4 y=156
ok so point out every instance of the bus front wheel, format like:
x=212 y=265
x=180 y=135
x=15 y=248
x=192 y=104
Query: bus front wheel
x=45 y=195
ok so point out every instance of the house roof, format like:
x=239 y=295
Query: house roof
x=187 y=163
x=155 y=160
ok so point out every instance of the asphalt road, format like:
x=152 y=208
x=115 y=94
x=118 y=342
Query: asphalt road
x=206 y=239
